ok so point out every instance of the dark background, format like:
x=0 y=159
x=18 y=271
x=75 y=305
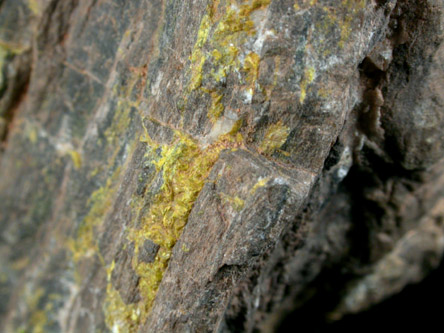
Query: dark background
x=417 y=308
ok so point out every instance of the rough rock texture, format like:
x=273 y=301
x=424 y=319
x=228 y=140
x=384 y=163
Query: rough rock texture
x=216 y=165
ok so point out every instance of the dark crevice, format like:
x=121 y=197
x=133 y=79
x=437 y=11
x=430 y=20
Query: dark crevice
x=236 y=323
x=372 y=79
x=334 y=156
x=380 y=3
x=322 y=294
x=415 y=308
x=376 y=166
x=56 y=16
x=313 y=305
x=411 y=25
x=17 y=95
x=367 y=214
x=371 y=71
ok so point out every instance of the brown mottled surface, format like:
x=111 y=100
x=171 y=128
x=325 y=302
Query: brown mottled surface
x=316 y=134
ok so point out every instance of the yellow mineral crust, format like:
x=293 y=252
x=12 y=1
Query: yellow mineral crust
x=184 y=164
x=184 y=167
x=224 y=32
x=274 y=138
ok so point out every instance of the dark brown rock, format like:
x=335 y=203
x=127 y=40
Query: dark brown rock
x=194 y=166
x=148 y=251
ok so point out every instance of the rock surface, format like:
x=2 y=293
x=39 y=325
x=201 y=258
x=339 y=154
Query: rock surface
x=193 y=166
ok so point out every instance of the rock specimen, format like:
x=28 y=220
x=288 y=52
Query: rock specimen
x=208 y=165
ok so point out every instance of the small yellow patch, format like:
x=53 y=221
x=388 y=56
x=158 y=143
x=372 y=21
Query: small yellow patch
x=38 y=315
x=216 y=108
x=198 y=57
x=261 y=183
x=84 y=244
x=34 y=6
x=251 y=67
x=235 y=202
x=185 y=248
x=95 y=172
x=76 y=158
x=274 y=138
x=308 y=78
x=298 y=3
x=33 y=135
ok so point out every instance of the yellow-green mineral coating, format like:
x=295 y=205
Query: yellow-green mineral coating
x=230 y=34
x=33 y=134
x=34 y=6
x=216 y=108
x=224 y=32
x=251 y=67
x=76 y=158
x=260 y=183
x=198 y=56
x=39 y=314
x=235 y=202
x=38 y=318
x=352 y=7
x=12 y=48
x=84 y=244
x=184 y=164
x=302 y=3
x=308 y=78
x=184 y=167
x=340 y=17
x=274 y=138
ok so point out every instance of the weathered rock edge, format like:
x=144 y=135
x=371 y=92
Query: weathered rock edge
x=287 y=143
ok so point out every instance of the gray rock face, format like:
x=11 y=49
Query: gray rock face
x=193 y=166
